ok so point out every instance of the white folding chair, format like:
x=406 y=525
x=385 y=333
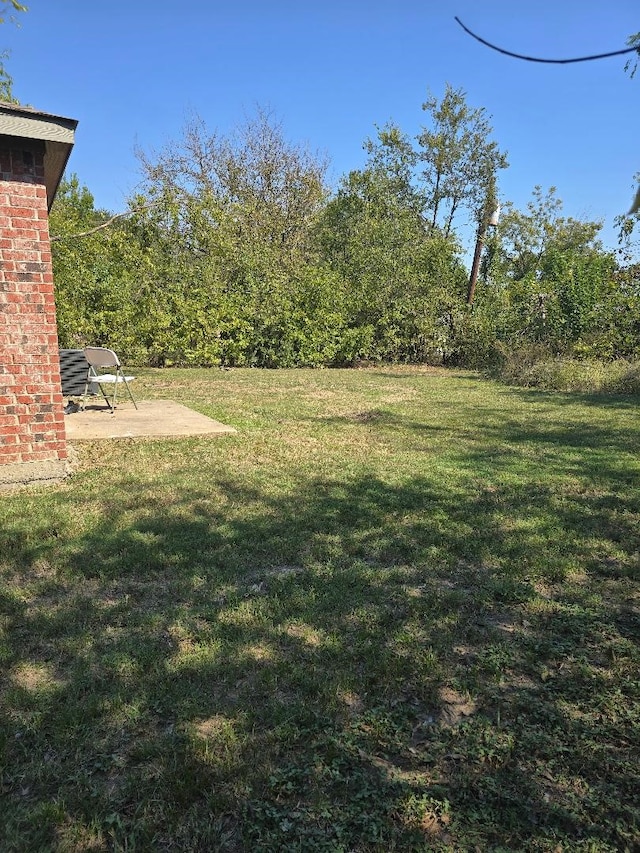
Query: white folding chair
x=100 y=359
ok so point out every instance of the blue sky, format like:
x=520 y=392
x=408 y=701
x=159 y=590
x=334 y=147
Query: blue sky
x=131 y=72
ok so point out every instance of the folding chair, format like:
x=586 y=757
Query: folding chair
x=100 y=359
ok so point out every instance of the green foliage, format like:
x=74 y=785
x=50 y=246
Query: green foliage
x=458 y=159
x=98 y=277
x=232 y=256
x=235 y=254
x=615 y=331
x=632 y=65
x=474 y=337
x=551 y=280
x=402 y=280
x=232 y=245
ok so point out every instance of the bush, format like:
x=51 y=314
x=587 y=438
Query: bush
x=472 y=341
x=533 y=366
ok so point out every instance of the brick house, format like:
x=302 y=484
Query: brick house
x=34 y=149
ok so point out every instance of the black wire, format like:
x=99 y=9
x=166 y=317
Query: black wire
x=552 y=61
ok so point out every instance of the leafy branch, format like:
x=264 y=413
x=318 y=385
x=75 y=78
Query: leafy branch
x=110 y=221
x=13 y=4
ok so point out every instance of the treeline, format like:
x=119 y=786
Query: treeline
x=235 y=252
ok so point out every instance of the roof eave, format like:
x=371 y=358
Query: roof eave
x=57 y=133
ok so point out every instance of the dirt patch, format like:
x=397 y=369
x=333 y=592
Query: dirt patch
x=455 y=707
x=212 y=727
x=35 y=677
x=311 y=636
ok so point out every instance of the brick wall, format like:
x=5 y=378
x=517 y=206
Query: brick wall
x=32 y=432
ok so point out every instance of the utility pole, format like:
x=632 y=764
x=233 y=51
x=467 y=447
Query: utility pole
x=486 y=222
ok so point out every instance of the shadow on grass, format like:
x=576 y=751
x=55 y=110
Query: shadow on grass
x=355 y=665
x=575 y=398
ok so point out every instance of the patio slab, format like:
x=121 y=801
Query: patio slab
x=152 y=418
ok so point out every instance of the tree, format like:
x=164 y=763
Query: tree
x=390 y=229
x=212 y=264
x=271 y=189
x=99 y=278
x=453 y=167
x=235 y=234
x=555 y=272
x=459 y=160
x=401 y=279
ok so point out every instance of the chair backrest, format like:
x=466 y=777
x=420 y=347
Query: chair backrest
x=101 y=357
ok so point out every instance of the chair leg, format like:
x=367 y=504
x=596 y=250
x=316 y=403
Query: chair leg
x=130 y=394
x=126 y=385
x=104 y=394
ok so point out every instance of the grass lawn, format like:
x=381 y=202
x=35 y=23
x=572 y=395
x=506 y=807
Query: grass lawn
x=397 y=611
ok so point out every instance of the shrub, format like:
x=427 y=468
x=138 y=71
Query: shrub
x=534 y=366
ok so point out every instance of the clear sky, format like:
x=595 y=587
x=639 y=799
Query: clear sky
x=131 y=71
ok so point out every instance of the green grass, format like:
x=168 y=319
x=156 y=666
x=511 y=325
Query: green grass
x=396 y=611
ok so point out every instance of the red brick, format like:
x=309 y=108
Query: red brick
x=23 y=254
x=31 y=417
x=41 y=456
x=20 y=213
x=26 y=226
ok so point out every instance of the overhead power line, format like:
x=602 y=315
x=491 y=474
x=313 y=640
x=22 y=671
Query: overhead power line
x=541 y=59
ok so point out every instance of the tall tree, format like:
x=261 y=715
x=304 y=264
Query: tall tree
x=401 y=278
x=236 y=235
x=452 y=165
x=459 y=161
x=270 y=188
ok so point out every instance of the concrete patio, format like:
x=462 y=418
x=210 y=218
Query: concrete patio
x=152 y=419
